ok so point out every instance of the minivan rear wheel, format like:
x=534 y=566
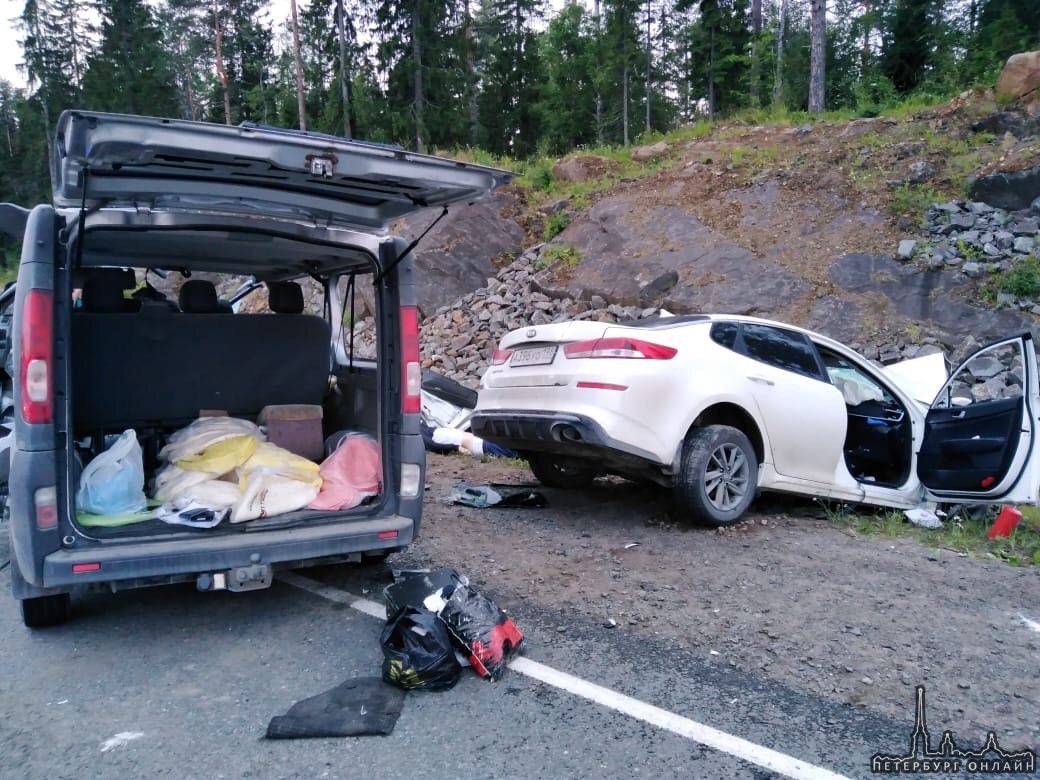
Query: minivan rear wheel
x=719 y=475
x=43 y=611
x=562 y=472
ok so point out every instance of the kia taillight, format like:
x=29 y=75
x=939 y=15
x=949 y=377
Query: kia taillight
x=500 y=356
x=35 y=369
x=619 y=347
x=411 y=372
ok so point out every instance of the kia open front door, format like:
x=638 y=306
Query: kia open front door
x=980 y=434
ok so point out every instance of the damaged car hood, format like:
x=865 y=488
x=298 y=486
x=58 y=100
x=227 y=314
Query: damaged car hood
x=920 y=378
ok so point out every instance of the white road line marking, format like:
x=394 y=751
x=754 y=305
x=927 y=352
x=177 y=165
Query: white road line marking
x=371 y=608
x=722 y=741
x=677 y=724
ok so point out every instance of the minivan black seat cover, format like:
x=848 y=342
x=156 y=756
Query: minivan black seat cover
x=285 y=297
x=199 y=296
x=158 y=368
x=103 y=292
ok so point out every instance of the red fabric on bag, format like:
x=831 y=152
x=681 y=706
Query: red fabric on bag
x=350 y=474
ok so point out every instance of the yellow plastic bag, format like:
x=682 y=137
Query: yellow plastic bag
x=274 y=460
x=223 y=456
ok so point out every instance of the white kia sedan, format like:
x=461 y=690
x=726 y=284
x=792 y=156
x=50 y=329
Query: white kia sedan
x=719 y=407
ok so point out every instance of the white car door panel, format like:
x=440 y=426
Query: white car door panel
x=804 y=416
x=980 y=433
x=805 y=420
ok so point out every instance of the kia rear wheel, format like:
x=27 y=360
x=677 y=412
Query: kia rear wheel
x=718 y=476
x=562 y=472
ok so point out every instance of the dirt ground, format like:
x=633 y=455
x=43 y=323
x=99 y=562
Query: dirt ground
x=787 y=594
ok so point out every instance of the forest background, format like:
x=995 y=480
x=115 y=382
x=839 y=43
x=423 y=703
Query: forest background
x=504 y=82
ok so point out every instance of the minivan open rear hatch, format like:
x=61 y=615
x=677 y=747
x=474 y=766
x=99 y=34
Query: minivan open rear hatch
x=108 y=159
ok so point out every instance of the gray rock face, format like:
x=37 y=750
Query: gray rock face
x=930 y=299
x=673 y=261
x=456 y=256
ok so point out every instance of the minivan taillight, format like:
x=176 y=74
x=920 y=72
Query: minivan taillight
x=35 y=368
x=411 y=372
x=619 y=347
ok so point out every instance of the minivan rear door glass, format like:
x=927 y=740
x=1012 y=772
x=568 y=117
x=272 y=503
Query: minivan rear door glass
x=110 y=159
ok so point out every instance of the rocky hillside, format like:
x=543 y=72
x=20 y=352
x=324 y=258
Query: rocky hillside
x=886 y=233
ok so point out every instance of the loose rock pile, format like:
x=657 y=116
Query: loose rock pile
x=457 y=341
x=976 y=239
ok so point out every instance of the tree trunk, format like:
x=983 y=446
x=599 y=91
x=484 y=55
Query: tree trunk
x=471 y=80
x=218 y=30
x=817 y=56
x=417 y=81
x=301 y=104
x=75 y=54
x=44 y=105
x=778 y=76
x=649 y=62
x=711 y=75
x=344 y=76
x=867 y=30
x=756 y=63
x=189 y=94
x=599 y=68
x=624 y=104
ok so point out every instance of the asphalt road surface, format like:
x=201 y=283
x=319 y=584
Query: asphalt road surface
x=170 y=682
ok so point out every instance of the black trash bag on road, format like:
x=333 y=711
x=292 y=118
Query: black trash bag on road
x=417 y=651
x=487 y=635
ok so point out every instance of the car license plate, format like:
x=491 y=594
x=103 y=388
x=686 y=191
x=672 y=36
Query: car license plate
x=533 y=356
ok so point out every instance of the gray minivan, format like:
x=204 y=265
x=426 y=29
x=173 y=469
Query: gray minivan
x=135 y=196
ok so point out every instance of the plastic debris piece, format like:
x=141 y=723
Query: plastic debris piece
x=925 y=518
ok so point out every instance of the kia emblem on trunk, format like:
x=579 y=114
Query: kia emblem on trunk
x=530 y=333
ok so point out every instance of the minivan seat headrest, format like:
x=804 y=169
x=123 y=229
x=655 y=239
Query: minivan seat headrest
x=199 y=296
x=285 y=297
x=103 y=294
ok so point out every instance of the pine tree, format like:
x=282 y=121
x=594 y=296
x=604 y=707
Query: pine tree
x=510 y=75
x=911 y=42
x=131 y=71
x=567 y=103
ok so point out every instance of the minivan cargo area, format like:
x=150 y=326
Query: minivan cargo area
x=164 y=428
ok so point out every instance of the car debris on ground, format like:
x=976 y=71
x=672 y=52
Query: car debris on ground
x=483 y=496
x=436 y=624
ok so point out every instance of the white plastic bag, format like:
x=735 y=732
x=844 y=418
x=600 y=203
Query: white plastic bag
x=113 y=483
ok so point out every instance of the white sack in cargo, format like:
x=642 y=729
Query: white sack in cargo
x=204 y=433
x=172 y=481
x=266 y=494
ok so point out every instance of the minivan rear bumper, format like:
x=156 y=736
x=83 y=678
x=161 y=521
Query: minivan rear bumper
x=166 y=559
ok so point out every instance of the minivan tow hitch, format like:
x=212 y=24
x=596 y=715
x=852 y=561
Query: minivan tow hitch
x=255 y=577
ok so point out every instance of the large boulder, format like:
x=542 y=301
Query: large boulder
x=1021 y=77
x=586 y=167
x=1013 y=191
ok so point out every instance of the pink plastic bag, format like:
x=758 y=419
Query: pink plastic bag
x=350 y=474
